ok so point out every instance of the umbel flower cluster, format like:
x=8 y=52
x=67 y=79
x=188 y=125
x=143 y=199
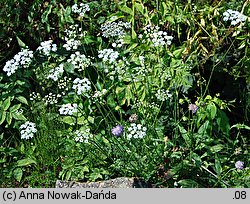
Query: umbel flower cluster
x=28 y=129
x=234 y=16
x=153 y=34
x=98 y=94
x=64 y=84
x=79 y=61
x=55 y=73
x=68 y=109
x=108 y=55
x=21 y=59
x=51 y=98
x=73 y=37
x=83 y=136
x=46 y=47
x=81 y=9
x=81 y=86
x=136 y=131
x=35 y=96
x=114 y=29
x=163 y=95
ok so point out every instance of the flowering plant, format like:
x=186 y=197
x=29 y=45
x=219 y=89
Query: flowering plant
x=127 y=90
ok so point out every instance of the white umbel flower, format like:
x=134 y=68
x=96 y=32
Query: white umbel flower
x=81 y=85
x=155 y=37
x=81 y=9
x=55 y=73
x=21 y=59
x=114 y=29
x=68 y=109
x=136 y=131
x=234 y=16
x=108 y=55
x=46 y=47
x=83 y=136
x=80 y=61
x=27 y=130
x=163 y=95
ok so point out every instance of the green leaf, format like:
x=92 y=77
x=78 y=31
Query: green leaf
x=164 y=9
x=22 y=100
x=67 y=15
x=19 y=82
x=98 y=85
x=68 y=175
x=18 y=116
x=188 y=183
x=68 y=120
x=91 y=119
x=18 y=174
x=46 y=13
x=3 y=160
x=96 y=174
x=197 y=159
x=240 y=126
x=85 y=169
x=101 y=20
x=88 y=39
x=9 y=118
x=134 y=35
x=128 y=95
x=110 y=101
x=22 y=148
x=126 y=9
x=217 y=148
x=106 y=141
x=223 y=122
x=218 y=168
x=212 y=110
x=243 y=37
x=69 y=67
x=119 y=89
x=6 y=104
x=178 y=52
x=131 y=47
x=20 y=42
x=185 y=136
x=82 y=120
x=25 y=162
x=139 y=7
x=204 y=128
x=14 y=108
x=2 y=117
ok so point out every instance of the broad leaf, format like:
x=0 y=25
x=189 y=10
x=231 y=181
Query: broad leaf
x=22 y=100
x=6 y=104
x=25 y=162
x=18 y=174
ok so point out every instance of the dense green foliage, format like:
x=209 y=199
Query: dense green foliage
x=175 y=75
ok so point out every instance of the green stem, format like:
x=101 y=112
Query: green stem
x=210 y=77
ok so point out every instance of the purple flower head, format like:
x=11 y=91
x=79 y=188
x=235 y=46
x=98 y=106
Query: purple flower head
x=118 y=130
x=193 y=108
x=239 y=165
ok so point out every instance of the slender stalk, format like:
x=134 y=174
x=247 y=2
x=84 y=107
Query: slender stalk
x=214 y=66
x=212 y=173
